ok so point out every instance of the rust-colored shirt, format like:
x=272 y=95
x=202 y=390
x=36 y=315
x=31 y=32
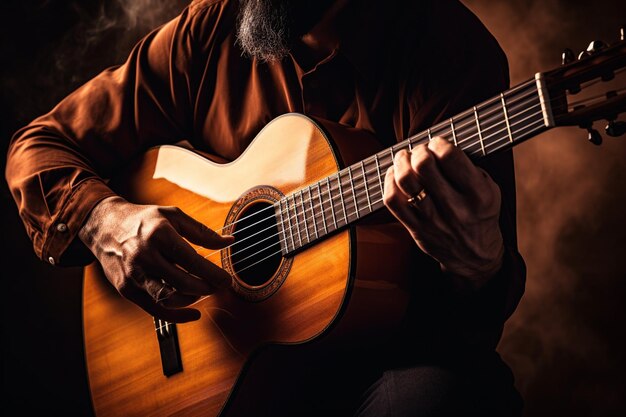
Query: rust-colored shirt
x=396 y=70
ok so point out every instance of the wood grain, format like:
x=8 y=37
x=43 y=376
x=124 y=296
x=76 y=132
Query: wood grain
x=121 y=347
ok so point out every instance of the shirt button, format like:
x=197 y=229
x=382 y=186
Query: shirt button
x=62 y=227
x=51 y=260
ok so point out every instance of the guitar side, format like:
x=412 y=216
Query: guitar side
x=121 y=348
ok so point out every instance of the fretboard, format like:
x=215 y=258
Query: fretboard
x=336 y=201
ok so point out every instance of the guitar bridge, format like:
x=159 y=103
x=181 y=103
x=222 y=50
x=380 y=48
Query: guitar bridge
x=168 y=346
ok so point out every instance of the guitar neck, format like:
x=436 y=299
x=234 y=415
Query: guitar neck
x=341 y=199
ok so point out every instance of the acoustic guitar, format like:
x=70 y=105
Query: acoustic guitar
x=315 y=259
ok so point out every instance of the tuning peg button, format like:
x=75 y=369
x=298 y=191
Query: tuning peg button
x=596 y=46
x=615 y=128
x=594 y=136
x=567 y=56
x=592 y=48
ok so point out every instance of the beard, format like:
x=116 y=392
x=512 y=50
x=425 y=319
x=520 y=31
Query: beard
x=266 y=29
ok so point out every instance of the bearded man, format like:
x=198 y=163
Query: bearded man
x=218 y=73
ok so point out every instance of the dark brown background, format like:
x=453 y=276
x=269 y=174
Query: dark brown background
x=565 y=342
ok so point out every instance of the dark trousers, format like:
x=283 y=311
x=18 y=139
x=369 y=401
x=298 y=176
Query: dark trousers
x=452 y=384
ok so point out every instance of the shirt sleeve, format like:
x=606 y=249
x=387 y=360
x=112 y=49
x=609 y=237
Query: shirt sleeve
x=57 y=165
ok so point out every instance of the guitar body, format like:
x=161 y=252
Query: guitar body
x=341 y=289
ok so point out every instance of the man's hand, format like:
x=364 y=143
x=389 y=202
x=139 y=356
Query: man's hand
x=457 y=221
x=143 y=252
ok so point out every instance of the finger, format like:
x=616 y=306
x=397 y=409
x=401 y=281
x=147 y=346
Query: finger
x=184 y=255
x=195 y=231
x=178 y=300
x=396 y=201
x=147 y=303
x=163 y=293
x=423 y=222
x=437 y=187
x=456 y=166
x=181 y=280
x=404 y=176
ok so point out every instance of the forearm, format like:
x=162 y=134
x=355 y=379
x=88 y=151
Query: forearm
x=57 y=165
x=54 y=189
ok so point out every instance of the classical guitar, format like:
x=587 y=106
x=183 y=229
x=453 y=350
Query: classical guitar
x=309 y=263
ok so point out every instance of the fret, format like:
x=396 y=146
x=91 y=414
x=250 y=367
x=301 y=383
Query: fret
x=453 y=131
x=319 y=195
x=282 y=224
x=343 y=204
x=317 y=234
x=542 y=93
x=293 y=242
x=465 y=130
x=356 y=206
x=480 y=134
x=306 y=227
x=367 y=191
x=506 y=117
x=498 y=123
x=330 y=200
x=295 y=210
x=535 y=127
x=380 y=181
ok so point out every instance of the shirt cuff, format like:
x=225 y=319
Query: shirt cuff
x=61 y=244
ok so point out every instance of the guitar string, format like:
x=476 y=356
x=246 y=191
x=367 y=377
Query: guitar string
x=307 y=202
x=359 y=186
x=269 y=256
x=505 y=140
x=528 y=84
x=458 y=128
x=283 y=240
x=586 y=100
x=280 y=251
x=512 y=104
x=290 y=228
x=347 y=183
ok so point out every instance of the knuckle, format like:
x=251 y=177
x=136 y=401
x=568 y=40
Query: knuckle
x=168 y=209
x=439 y=144
x=133 y=260
x=400 y=155
x=156 y=230
x=405 y=179
x=422 y=162
x=446 y=153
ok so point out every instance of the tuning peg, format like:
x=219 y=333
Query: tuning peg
x=594 y=136
x=615 y=128
x=621 y=33
x=595 y=46
x=592 y=48
x=567 y=56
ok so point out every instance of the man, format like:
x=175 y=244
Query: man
x=215 y=76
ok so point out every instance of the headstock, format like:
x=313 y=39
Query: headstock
x=590 y=86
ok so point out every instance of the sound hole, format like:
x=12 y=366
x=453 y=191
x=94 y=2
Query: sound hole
x=256 y=253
